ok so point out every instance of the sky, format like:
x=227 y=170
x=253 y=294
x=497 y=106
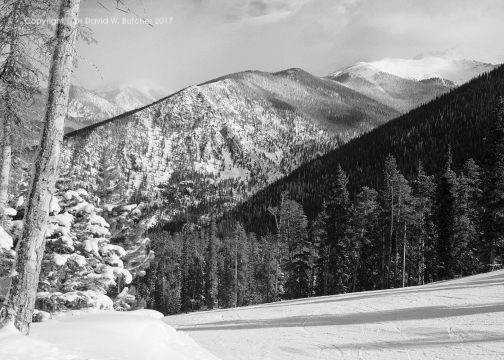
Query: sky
x=210 y=38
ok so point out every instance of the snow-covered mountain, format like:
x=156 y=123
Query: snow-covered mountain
x=211 y=145
x=421 y=67
x=404 y=84
x=133 y=94
x=458 y=319
x=87 y=107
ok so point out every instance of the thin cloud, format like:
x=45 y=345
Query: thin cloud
x=211 y=38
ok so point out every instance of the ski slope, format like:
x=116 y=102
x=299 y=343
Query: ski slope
x=458 y=319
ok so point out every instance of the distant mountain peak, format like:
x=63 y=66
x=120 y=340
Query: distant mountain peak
x=87 y=107
x=404 y=84
x=445 y=65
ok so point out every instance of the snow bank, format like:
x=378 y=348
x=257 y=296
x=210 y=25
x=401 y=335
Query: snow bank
x=64 y=220
x=14 y=346
x=10 y=212
x=54 y=207
x=102 y=335
x=5 y=240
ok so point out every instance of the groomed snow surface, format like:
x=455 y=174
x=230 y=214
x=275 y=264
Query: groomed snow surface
x=136 y=335
x=459 y=319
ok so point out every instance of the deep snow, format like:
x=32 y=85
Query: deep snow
x=105 y=335
x=458 y=319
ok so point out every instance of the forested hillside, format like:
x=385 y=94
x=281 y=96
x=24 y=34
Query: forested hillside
x=461 y=118
x=414 y=201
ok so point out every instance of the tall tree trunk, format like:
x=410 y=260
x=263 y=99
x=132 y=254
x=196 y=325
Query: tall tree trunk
x=358 y=258
x=236 y=271
x=421 y=267
x=391 y=233
x=326 y=271
x=277 y=265
x=9 y=69
x=355 y=272
x=20 y=301
x=383 y=283
x=404 y=258
x=6 y=165
x=396 y=244
x=276 y=213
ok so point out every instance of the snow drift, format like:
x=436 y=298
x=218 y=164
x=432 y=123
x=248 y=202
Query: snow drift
x=102 y=335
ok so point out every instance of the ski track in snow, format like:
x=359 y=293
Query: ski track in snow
x=458 y=319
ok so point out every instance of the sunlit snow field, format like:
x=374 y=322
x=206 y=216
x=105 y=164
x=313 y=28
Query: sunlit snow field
x=101 y=335
x=458 y=319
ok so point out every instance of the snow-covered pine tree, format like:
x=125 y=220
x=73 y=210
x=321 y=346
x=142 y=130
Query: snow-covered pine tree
x=80 y=264
x=20 y=74
x=19 y=305
x=83 y=267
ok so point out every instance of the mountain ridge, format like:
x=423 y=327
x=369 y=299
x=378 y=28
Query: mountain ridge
x=220 y=141
x=233 y=76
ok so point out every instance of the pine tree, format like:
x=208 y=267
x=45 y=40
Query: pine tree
x=161 y=286
x=241 y=263
x=362 y=232
x=423 y=194
x=254 y=262
x=404 y=222
x=493 y=197
x=185 y=291
x=227 y=274
x=265 y=272
x=211 y=266
x=20 y=75
x=446 y=206
x=294 y=234
x=21 y=299
x=467 y=219
x=318 y=234
x=338 y=208
x=389 y=199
